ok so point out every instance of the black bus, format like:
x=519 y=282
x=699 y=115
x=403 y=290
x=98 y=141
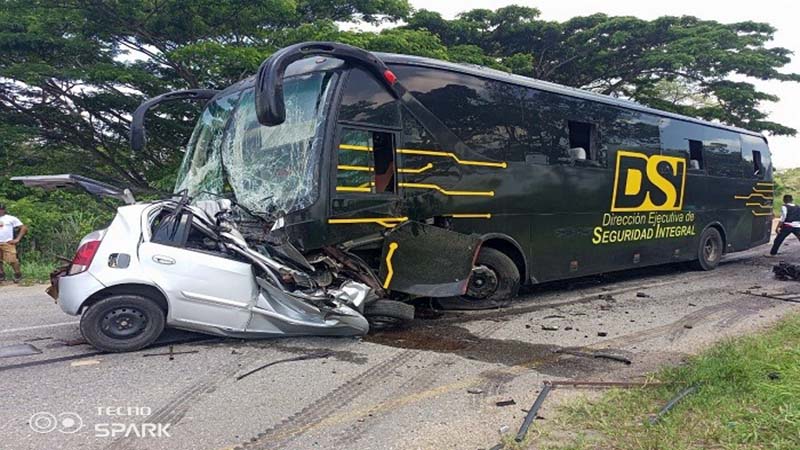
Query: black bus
x=463 y=182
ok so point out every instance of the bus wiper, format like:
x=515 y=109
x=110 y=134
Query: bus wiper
x=138 y=136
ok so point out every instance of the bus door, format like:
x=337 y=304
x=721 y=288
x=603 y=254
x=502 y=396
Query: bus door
x=365 y=195
x=757 y=166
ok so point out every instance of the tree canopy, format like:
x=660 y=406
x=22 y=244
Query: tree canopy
x=72 y=71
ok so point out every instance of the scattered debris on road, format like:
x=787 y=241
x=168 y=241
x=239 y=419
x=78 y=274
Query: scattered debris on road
x=554 y=316
x=474 y=391
x=506 y=402
x=533 y=412
x=550 y=327
x=642 y=295
x=671 y=404
x=785 y=271
x=10 y=351
x=296 y=358
x=602 y=333
x=171 y=353
x=84 y=362
x=601 y=355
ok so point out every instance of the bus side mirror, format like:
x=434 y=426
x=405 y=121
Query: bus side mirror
x=270 y=107
x=138 y=136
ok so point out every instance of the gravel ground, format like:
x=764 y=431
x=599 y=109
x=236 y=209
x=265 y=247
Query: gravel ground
x=432 y=385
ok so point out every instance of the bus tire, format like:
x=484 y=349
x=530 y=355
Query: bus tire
x=709 y=249
x=122 y=323
x=493 y=284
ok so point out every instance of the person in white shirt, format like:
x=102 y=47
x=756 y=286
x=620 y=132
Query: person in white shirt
x=8 y=243
x=789 y=223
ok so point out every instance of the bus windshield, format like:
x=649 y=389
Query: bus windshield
x=269 y=169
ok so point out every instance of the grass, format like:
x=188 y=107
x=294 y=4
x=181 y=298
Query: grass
x=33 y=271
x=749 y=398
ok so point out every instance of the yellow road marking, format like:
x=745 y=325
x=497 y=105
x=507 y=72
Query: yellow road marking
x=389 y=269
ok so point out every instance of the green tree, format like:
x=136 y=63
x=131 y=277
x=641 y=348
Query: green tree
x=630 y=57
x=72 y=72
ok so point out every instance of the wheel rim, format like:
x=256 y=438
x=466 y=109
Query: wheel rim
x=711 y=249
x=123 y=322
x=482 y=283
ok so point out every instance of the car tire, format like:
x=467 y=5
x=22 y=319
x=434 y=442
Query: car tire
x=493 y=285
x=384 y=314
x=709 y=250
x=122 y=323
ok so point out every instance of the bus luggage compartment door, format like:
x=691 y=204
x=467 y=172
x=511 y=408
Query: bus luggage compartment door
x=425 y=260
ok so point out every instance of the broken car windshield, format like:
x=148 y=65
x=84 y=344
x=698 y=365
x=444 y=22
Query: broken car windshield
x=269 y=169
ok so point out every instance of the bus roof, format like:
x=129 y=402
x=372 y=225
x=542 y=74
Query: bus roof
x=486 y=72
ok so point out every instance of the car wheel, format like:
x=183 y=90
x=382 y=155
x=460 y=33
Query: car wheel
x=122 y=323
x=383 y=314
x=709 y=250
x=493 y=283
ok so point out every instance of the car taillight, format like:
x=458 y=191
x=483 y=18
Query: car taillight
x=83 y=257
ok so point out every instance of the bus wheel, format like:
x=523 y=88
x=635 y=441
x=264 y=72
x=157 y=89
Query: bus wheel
x=494 y=282
x=709 y=251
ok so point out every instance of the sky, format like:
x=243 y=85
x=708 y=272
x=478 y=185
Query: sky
x=782 y=15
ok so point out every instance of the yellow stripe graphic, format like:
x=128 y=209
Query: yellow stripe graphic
x=358 y=168
x=465 y=162
x=360 y=148
x=353 y=189
x=413 y=151
x=445 y=191
x=469 y=216
x=761 y=213
x=389 y=269
x=388 y=222
x=417 y=170
x=742 y=197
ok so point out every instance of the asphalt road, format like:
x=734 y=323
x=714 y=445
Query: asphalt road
x=432 y=385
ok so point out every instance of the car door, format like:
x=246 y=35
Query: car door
x=205 y=289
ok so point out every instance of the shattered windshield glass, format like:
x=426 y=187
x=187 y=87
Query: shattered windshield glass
x=269 y=169
x=201 y=169
x=274 y=169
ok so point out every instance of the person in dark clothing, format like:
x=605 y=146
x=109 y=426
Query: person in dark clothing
x=789 y=223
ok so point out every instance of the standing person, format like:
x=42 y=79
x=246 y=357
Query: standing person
x=789 y=223
x=8 y=243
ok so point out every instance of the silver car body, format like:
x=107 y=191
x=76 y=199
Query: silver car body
x=207 y=292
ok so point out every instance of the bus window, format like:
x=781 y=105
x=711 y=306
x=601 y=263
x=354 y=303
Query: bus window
x=695 y=155
x=758 y=166
x=365 y=101
x=485 y=114
x=366 y=162
x=582 y=141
